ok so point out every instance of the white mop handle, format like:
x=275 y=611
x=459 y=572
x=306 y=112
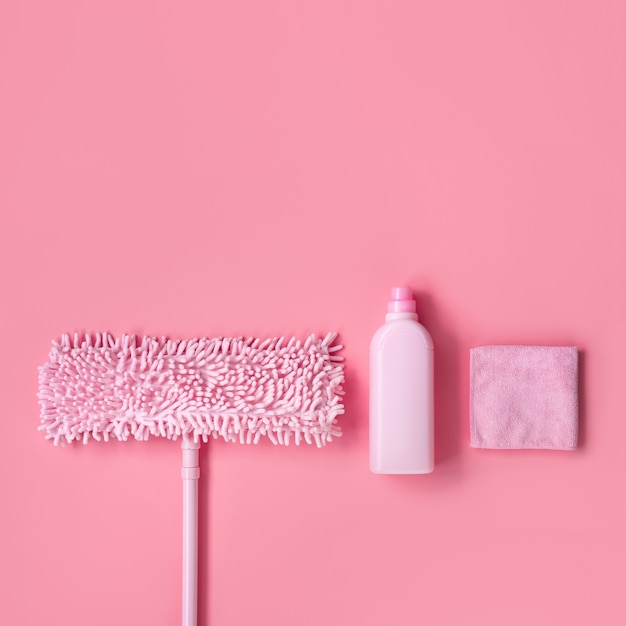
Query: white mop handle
x=190 y=474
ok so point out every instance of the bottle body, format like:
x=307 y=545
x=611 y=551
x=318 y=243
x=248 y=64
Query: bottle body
x=401 y=397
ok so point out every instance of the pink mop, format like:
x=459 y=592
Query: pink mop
x=238 y=389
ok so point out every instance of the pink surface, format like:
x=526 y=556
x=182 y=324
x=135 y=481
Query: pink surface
x=198 y=169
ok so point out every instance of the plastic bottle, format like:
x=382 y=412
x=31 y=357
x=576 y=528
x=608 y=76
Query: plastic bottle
x=401 y=391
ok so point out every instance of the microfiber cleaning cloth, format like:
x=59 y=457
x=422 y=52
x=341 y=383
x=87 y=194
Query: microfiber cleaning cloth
x=524 y=397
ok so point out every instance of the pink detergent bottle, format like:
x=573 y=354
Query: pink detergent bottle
x=402 y=434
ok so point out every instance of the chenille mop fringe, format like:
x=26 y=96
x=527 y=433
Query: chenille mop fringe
x=102 y=387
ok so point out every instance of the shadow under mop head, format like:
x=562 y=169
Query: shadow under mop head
x=235 y=388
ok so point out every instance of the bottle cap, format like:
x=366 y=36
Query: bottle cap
x=401 y=300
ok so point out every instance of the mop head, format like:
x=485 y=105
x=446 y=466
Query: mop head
x=234 y=388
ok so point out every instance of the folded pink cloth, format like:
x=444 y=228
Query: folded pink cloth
x=524 y=397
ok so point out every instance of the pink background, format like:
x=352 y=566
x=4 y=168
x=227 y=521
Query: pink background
x=263 y=168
